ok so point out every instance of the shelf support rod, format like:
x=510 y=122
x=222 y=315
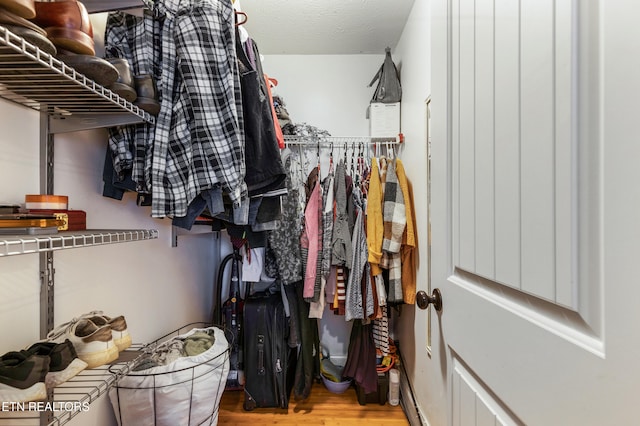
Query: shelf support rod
x=46 y=259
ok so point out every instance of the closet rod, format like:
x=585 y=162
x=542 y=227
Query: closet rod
x=325 y=141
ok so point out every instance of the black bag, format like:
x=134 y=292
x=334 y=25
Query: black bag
x=229 y=315
x=389 y=89
x=269 y=362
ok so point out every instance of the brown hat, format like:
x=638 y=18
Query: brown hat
x=10 y=18
x=67 y=25
x=34 y=37
x=22 y=8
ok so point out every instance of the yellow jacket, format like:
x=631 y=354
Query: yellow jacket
x=409 y=240
x=375 y=227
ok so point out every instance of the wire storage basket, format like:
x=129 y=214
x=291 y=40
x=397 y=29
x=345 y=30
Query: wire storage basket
x=167 y=387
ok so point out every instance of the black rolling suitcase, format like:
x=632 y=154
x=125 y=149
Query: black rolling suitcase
x=269 y=362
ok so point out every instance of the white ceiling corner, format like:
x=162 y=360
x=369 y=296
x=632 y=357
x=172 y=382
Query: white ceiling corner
x=325 y=27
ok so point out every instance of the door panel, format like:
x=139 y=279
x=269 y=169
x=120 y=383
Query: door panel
x=473 y=403
x=507 y=148
x=513 y=181
x=484 y=142
x=536 y=319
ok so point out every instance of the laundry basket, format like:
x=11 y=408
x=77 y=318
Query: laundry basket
x=186 y=391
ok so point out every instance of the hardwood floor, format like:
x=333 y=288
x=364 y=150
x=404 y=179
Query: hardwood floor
x=321 y=408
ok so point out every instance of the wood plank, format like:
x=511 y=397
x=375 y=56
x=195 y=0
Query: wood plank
x=321 y=408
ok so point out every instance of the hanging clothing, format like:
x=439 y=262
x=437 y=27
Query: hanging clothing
x=341 y=291
x=308 y=365
x=341 y=235
x=137 y=40
x=317 y=305
x=313 y=235
x=375 y=230
x=330 y=286
x=409 y=240
x=361 y=357
x=276 y=123
x=394 y=212
x=381 y=332
x=285 y=240
x=359 y=277
x=264 y=170
x=394 y=215
x=199 y=136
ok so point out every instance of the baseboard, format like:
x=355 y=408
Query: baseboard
x=407 y=399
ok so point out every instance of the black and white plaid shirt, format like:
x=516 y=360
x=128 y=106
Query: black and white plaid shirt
x=198 y=140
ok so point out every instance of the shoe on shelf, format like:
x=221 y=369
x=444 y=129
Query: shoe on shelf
x=64 y=362
x=93 y=343
x=22 y=377
x=118 y=325
x=67 y=24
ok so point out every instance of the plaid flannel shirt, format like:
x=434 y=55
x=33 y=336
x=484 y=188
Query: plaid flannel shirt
x=199 y=137
x=395 y=221
x=136 y=39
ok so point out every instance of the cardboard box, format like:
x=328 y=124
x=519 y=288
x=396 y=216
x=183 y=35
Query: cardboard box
x=384 y=120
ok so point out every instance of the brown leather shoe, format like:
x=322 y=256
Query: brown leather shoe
x=67 y=25
x=22 y=8
x=147 y=94
x=97 y=69
x=123 y=86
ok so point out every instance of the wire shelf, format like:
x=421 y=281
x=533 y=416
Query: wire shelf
x=26 y=244
x=35 y=79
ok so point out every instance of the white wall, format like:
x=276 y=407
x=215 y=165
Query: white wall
x=414 y=54
x=327 y=91
x=158 y=288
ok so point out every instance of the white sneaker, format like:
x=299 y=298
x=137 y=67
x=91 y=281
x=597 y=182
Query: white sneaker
x=118 y=325
x=94 y=344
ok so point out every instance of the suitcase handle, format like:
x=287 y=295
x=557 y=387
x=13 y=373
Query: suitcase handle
x=261 y=369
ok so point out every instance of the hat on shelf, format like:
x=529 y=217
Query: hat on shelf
x=22 y=8
x=67 y=25
x=27 y=30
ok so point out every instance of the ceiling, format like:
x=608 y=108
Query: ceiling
x=325 y=27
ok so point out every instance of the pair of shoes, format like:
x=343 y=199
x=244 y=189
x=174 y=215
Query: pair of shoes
x=27 y=374
x=63 y=361
x=118 y=325
x=94 y=344
x=97 y=338
x=22 y=377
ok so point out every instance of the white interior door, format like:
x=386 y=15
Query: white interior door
x=535 y=208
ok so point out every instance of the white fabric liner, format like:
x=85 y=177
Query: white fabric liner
x=185 y=392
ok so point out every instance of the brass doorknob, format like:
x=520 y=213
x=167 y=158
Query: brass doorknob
x=424 y=300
